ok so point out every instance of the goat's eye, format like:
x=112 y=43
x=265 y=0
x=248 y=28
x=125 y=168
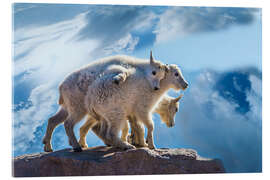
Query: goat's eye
x=154 y=73
x=176 y=74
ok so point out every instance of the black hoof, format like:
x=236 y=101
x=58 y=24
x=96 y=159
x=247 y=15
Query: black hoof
x=79 y=149
x=48 y=150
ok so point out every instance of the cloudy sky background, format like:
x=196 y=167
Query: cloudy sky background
x=218 y=50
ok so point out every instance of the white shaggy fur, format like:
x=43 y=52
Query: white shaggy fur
x=166 y=108
x=75 y=86
x=134 y=98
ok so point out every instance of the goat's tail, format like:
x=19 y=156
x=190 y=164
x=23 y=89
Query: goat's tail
x=61 y=100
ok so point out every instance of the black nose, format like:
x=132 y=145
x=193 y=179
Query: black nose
x=185 y=86
x=156 y=88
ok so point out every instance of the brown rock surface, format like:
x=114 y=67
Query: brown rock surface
x=109 y=161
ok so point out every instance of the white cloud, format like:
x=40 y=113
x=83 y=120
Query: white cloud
x=210 y=124
x=256 y=84
x=180 y=21
x=27 y=120
x=126 y=43
x=20 y=9
x=111 y=24
x=169 y=26
x=50 y=52
x=254 y=97
x=217 y=130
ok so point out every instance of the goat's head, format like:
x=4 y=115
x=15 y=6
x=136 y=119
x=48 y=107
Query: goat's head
x=175 y=78
x=155 y=72
x=169 y=111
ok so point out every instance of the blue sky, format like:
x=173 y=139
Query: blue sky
x=218 y=50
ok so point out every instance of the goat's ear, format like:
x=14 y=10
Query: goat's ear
x=151 y=58
x=178 y=98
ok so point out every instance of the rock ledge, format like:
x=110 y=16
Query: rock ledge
x=109 y=161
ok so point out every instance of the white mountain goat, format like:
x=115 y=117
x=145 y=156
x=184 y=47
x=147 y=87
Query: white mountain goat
x=134 y=98
x=166 y=108
x=75 y=86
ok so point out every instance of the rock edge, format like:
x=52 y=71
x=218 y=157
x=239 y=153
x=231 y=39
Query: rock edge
x=99 y=161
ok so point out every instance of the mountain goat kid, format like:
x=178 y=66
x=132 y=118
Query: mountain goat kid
x=132 y=99
x=75 y=86
x=166 y=108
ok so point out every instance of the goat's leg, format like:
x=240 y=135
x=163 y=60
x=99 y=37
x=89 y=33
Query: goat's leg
x=147 y=121
x=89 y=123
x=137 y=133
x=100 y=129
x=124 y=134
x=113 y=132
x=69 y=124
x=53 y=122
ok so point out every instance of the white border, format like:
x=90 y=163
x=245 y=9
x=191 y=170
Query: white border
x=5 y=79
